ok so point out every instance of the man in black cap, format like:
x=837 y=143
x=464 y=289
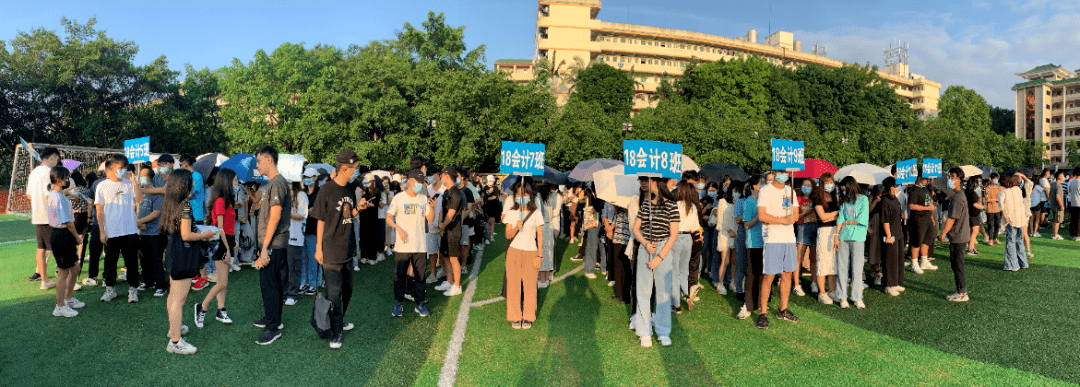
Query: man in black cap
x=408 y=215
x=335 y=208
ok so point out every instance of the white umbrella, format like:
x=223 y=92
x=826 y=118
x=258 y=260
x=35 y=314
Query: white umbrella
x=380 y=173
x=863 y=173
x=617 y=189
x=583 y=171
x=688 y=164
x=969 y=171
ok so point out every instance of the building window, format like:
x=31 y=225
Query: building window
x=622 y=40
x=1048 y=120
x=600 y=58
x=662 y=44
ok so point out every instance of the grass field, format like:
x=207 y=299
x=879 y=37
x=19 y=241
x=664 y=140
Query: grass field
x=1016 y=330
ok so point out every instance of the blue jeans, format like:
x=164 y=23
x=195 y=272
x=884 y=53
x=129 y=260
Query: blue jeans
x=312 y=273
x=1015 y=255
x=680 y=266
x=850 y=257
x=648 y=281
x=592 y=250
x=739 y=272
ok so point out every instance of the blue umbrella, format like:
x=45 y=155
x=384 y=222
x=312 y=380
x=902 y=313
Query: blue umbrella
x=244 y=166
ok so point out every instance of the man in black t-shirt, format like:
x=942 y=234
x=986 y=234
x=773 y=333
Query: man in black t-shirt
x=958 y=229
x=450 y=228
x=335 y=208
x=921 y=227
x=273 y=241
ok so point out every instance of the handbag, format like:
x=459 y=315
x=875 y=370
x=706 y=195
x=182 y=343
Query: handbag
x=320 y=316
x=182 y=258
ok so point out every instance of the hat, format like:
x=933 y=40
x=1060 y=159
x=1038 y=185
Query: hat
x=889 y=182
x=311 y=173
x=416 y=174
x=346 y=156
x=491 y=179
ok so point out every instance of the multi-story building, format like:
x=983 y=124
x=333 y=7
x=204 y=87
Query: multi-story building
x=568 y=31
x=1048 y=108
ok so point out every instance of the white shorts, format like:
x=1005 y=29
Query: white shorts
x=826 y=254
x=433 y=243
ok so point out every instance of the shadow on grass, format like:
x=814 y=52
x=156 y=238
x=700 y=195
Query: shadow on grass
x=571 y=355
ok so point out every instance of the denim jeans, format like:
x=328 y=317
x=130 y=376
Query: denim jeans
x=312 y=272
x=648 y=281
x=850 y=258
x=738 y=273
x=592 y=249
x=680 y=266
x=1015 y=255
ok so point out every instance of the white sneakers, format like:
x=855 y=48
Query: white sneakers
x=892 y=291
x=74 y=303
x=379 y=257
x=1036 y=235
x=722 y=290
x=646 y=341
x=64 y=311
x=824 y=299
x=47 y=284
x=798 y=291
x=431 y=279
x=290 y=301
x=860 y=305
x=454 y=290
x=444 y=286
x=180 y=348
x=813 y=287
x=590 y=275
x=664 y=340
x=110 y=294
x=440 y=273
x=843 y=304
x=743 y=313
x=89 y=282
x=915 y=267
x=926 y=265
x=877 y=280
x=133 y=295
x=1057 y=238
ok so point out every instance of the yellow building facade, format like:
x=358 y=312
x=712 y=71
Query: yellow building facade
x=568 y=31
x=1048 y=108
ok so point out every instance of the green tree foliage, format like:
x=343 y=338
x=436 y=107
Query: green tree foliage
x=611 y=88
x=1003 y=121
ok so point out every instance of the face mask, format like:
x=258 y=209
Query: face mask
x=951 y=184
x=309 y=182
x=121 y=174
x=163 y=170
x=236 y=188
x=806 y=190
x=431 y=179
x=736 y=195
x=782 y=178
x=699 y=186
x=1021 y=183
x=522 y=201
x=713 y=194
x=367 y=184
x=830 y=187
x=143 y=180
x=355 y=174
x=978 y=190
x=995 y=181
x=457 y=181
x=417 y=187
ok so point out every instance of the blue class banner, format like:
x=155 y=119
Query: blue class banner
x=788 y=155
x=522 y=158
x=907 y=171
x=652 y=158
x=137 y=150
x=931 y=168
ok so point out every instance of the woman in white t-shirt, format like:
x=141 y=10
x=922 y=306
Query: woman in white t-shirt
x=298 y=219
x=524 y=229
x=689 y=230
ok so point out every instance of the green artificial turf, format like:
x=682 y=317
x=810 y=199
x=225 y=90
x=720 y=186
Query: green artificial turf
x=16 y=229
x=1015 y=331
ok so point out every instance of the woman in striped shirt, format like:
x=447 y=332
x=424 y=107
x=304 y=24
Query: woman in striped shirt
x=656 y=225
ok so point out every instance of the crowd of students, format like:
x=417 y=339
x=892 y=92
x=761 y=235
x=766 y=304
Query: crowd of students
x=178 y=231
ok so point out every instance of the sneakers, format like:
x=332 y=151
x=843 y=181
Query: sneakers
x=860 y=305
x=160 y=293
x=578 y=258
x=397 y=310
x=762 y=321
x=224 y=317
x=915 y=267
x=267 y=337
x=440 y=273
x=464 y=270
x=1057 y=238
x=200 y=283
x=234 y=266
x=1036 y=235
x=526 y=324
x=335 y=342
x=926 y=265
x=646 y=341
x=77 y=287
x=843 y=304
x=743 y=313
x=379 y=257
x=824 y=299
x=444 y=286
x=122 y=276
x=798 y=291
x=877 y=279
x=664 y=341
x=347 y=326
x=110 y=294
x=261 y=323
x=409 y=297
x=516 y=325
x=432 y=279
x=290 y=301
x=200 y=315
x=813 y=287
x=46 y=284
x=421 y=310
x=786 y=315
x=180 y=348
x=89 y=282
x=212 y=277
x=1030 y=254
x=722 y=290
x=957 y=297
x=133 y=295
x=74 y=303
x=35 y=277
x=833 y=297
x=892 y=291
x=611 y=284
x=454 y=290
x=64 y=311
x=142 y=287
x=590 y=275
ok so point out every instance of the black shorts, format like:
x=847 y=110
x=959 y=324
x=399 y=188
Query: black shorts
x=921 y=232
x=975 y=221
x=82 y=220
x=44 y=234
x=219 y=253
x=63 y=250
x=451 y=244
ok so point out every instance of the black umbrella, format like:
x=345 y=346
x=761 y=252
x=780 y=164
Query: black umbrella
x=986 y=171
x=551 y=176
x=509 y=181
x=717 y=171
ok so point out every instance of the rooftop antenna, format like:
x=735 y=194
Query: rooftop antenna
x=899 y=54
x=818 y=49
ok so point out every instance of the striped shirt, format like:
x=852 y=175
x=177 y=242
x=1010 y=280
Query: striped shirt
x=656 y=226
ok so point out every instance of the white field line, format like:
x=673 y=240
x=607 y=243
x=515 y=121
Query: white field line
x=448 y=374
x=557 y=279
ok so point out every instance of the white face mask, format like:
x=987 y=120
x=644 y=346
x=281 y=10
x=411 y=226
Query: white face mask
x=121 y=173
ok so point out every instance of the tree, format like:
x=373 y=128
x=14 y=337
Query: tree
x=1072 y=151
x=1003 y=121
x=607 y=86
x=440 y=45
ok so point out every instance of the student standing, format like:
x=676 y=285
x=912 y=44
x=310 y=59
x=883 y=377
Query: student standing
x=973 y=191
x=524 y=233
x=850 y=239
x=1013 y=209
x=334 y=246
x=892 y=255
x=1038 y=200
x=738 y=267
x=37 y=192
x=297 y=218
x=725 y=238
x=222 y=216
x=182 y=256
x=655 y=229
x=408 y=215
x=550 y=205
x=311 y=278
x=115 y=202
x=806 y=234
x=274 y=205
x=150 y=246
x=434 y=240
x=63 y=240
x=1074 y=205
x=686 y=200
x=957 y=229
x=827 y=210
x=921 y=226
x=1057 y=204
x=198 y=210
x=450 y=226
x=777 y=210
x=754 y=245
x=993 y=210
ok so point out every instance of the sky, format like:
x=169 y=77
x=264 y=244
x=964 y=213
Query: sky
x=978 y=44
